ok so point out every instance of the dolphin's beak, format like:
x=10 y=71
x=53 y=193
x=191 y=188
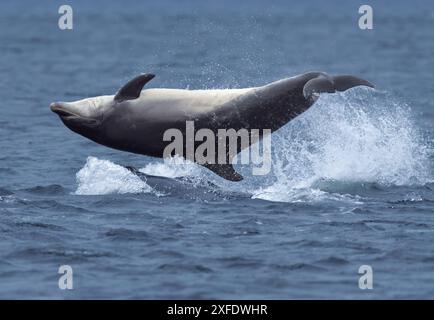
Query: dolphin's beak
x=62 y=109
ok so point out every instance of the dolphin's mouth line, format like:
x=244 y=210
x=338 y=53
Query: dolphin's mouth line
x=62 y=112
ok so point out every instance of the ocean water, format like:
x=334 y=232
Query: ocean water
x=352 y=179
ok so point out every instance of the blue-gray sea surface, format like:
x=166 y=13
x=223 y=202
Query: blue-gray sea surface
x=351 y=182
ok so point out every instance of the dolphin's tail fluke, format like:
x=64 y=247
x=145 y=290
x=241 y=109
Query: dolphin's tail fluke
x=325 y=83
x=346 y=82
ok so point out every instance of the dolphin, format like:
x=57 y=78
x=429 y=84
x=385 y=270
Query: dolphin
x=135 y=120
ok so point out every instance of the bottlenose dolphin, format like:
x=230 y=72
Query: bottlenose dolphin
x=136 y=120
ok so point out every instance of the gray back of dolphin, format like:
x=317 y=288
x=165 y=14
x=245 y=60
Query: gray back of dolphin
x=135 y=121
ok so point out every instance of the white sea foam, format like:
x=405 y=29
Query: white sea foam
x=99 y=177
x=174 y=167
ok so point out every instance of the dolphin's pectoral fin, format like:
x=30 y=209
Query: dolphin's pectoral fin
x=226 y=171
x=132 y=89
x=331 y=84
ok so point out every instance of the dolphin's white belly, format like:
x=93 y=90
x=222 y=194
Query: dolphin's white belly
x=188 y=100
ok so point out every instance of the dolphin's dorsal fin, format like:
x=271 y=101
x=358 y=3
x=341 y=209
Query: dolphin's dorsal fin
x=131 y=90
x=226 y=171
x=331 y=84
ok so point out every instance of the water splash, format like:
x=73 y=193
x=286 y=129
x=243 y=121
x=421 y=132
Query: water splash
x=99 y=177
x=173 y=167
x=356 y=136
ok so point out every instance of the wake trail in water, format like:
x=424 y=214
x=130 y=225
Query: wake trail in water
x=345 y=139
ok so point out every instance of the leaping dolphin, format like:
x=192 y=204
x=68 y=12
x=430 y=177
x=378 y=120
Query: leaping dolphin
x=135 y=120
